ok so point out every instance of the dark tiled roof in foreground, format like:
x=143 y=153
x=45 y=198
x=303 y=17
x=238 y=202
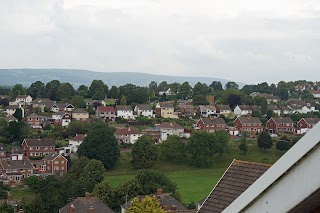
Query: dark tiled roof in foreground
x=238 y=177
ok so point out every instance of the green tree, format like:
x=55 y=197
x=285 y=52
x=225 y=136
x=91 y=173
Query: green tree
x=123 y=100
x=18 y=114
x=234 y=100
x=185 y=90
x=231 y=85
x=243 y=145
x=200 y=100
x=147 y=205
x=36 y=90
x=283 y=145
x=78 y=101
x=83 y=90
x=114 y=92
x=78 y=127
x=139 y=95
x=104 y=192
x=200 y=89
x=17 y=90
x=216 y=85
x=173 y=149
x=144 y=153
x=264 y=141
x=92 y=174
x=101 y=144
x=65 y=91
x=98 y=90
x=51 y=90
x=77 y=168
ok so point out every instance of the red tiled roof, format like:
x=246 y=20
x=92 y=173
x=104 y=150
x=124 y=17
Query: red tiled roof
x=213 y=121
x=127 y=131
x=238 y=177
x=250 y=120
x=282 y=120
x=40 y=142
x=312 y=120
x=168 y=125
x=79 y=137
x=105 y=109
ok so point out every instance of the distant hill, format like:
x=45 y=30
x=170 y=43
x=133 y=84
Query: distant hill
x=26 y=77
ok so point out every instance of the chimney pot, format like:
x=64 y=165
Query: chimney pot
x=72 y=209
x=87 y=196
x=159 y=191
x=91 y=209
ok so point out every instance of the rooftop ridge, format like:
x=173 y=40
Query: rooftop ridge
x=237 y=162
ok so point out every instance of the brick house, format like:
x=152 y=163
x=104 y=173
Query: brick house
x=242 y=110
x=36 y=121
x=106 y=112
x=251 y=125
x=211 y=125
x=185 y=110
x=170 y=128
x=280 y=125
x=15 y=171
x=127 y=135
x=54 y=164
x=80 y=115
x=38 y=147
x=305 y=124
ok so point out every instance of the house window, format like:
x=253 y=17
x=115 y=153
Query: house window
x=56 y=168
x=56 y=162
x=37 y=148
x=31 y=148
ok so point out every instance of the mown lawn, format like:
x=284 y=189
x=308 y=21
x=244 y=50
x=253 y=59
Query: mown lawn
x=195 y=184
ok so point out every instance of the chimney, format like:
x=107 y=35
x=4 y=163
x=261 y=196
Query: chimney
x=159 y=191
x=173 y=208
x=87 y=196
x=91 y=209
x=15 y=209
x=129 y=129
x=24 y=162
x=72 y=209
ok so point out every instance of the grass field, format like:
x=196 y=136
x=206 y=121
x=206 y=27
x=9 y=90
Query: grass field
x=195 y=184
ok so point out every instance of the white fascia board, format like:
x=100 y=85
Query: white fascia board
x=271 y=176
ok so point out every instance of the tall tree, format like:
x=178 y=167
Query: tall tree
x=51 y=90
x=185 y=90
x=92 y=174
x=18 y=114
x=78 y=101
x=200 y=89
x=233 y=100
x=173 y=143
x=104 y=192
x=36 y=90
x=144 y=153
x=264 y=141
x=83 y=90
x=65 y=91
x=114 y=92
x=216 y=85
x=17 y=90
x=231 y=85
x=139 y=95
x=101 y=144
x=98 y=90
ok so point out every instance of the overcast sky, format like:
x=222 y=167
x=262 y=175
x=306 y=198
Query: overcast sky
x=248 y=41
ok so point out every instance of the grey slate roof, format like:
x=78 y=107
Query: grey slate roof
x=123 y=107
x=213 y=121
x=144 y=107
x=40 y=142
x=16 y=164
x=283 y=120
x=238 y=177
x=250 y=120
x=82 y=205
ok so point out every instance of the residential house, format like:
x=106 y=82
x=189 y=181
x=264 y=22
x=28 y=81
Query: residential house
x=4 y=100
x=307 y=109
x=86 y=204
x=211 y=124
x=11 y=109
x=17 y=153
x=166 y=200
x=256 y=108
x=242 y=110
x=276 y=110
x=128 y=135
x=300 y=87
x=280 y=125
x=270 y=98
x=305 y=124
x=38 y=147
x=42 y=103
x=124 y=111
x=15 y=171
x=223 y=110
x=36 y=121
x=54 y=164
x=170 y=128
x=285 y=187
x=316 y=93
x=185 y=110
x=11 y=119
x=251 y=125
x=239 y=176
x=96 y=103
x=66 y=119
x=64 y=107
x=108 y=113
x=57 y=118
x=3 y=153
x=75 y=142
x=167 y=92
x=165 y=110
x=155 y=134
x=23 y=100
x=207 y=111
x=80 y=115
x=285 y=110
x=144 y=110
